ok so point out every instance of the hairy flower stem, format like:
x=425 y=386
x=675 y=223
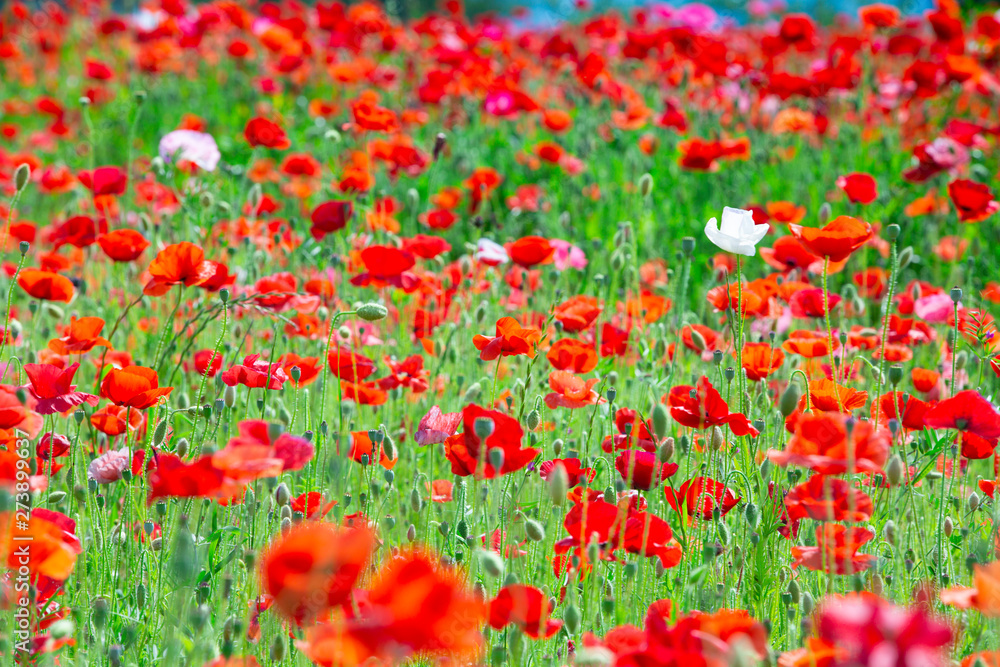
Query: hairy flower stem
x=886 y=312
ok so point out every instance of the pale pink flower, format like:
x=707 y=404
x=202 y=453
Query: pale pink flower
x=568 y=255
x=435 y=426
x=108 y=467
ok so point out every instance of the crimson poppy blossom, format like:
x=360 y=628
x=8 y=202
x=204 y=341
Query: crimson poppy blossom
x=836 y=550
x=966 y=411
x=526 y=607
x=46 y=285
x=53 y=388
x=973 y=201
x=701 y=496
x=468 y=452
x=256 y=374
x=123 y=245
x=511 y=339
x=268 y=134
x=575 y=472
x=860 y=188
x=705 y=408
x=643 y=470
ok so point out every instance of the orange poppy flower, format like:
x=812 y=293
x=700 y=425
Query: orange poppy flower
x=760 y=360
x=180 y=263
x=46 y=285
x=828 y=396
x=133 y=387
x=570 y=391
x=809 y=344
x=837 y=239
x=363 y=393
x=556 y=120
x=52 y=539
x=313 y=568
x=578 y=312
x=785 y=211
x=110 y=419
x=309 y=368
x=415 y=607
x=836 y=550
x=924 y=379
x=983 y=595
x=751 y=301
x=531 y=251
x=81 y=336
x=821 y=443
x=362 y=445
x=511 y=339
x=569 y=354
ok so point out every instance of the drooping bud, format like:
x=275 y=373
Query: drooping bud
x=21 y=176
x=372 y=312
x=789 y=399
x=659 y=419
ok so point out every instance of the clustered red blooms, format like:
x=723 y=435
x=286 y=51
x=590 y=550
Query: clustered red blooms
x=646 y=462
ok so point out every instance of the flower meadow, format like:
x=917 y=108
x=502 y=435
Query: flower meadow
x=649 y=338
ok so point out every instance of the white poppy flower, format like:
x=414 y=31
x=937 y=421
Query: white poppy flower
x=737 y=234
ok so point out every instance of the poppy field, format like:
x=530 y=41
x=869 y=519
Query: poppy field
x=647 y=338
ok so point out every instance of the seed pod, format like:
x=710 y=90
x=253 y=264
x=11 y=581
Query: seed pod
x=789 y=399
x=496 y=456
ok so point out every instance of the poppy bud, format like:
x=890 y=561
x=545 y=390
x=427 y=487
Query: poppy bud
x=160 y=433
x=181 y=449
x=229 y=396
x=462 y=529
x=699 y=340
x=534 y=530
x=949 y=526
x=961 y=359
x=372 y=312
x=889 y=532
x=483 y=427
x=894 y=470
x=825 y=211
x=286 y=525
x=472 y=393
x=99 y=614
x=532 y=420
x=491 y=563
x=892 y=232
x=789 y=399
x=443 y=528
x=439 y=143
x=282 y=495
x=21 y=176
x=666 y=451
x=659 y=418
x=808 y=604
x=645 y=184
x=752 y=514
x=278 y=649
x=558 y=484
x=956 y=294
x=905 y=257
x=687 y=245
x=572 y=616
x=973 y=502
x=794 y=591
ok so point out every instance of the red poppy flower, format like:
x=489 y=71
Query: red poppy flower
x=966 y=411
x=809 y=344
x=309 y=368
x=313 y=568
x=260 y=451
x=924 y=379
x=836 y=550
x=262 y=132
x=202 y=359
x=836 y=240
x=53 y=389
x=569 y=354
x=362 y=446
x=123 y=245
x=350 y=366
x=700 y=496
x=46 y=285
x=312 y=505
x=110 y=420
x=426 y=247
x=643 y=470
x=646 y=534
x=705 y=409
x=574 y=471
x=511 y=339
x=79 y=231
x=329 y=217
x=105 y=180
x=255 y=374
x=54 y=546
x=973 y=201
x=134 y=387
x=180 y=263
x=469 y=453
x=531 y=251
x=387 y=266
x=363 y=393
x=908 y=410
x=860 y=188
x=526 y=607
x=788 y=253
x=824 y=498
x=174 y=478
